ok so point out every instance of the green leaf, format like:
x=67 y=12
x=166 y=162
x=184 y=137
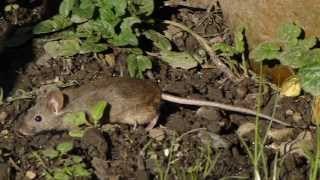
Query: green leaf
x=104 y=28
x=120 y=7
x=66 y=7
x=97 y=111
x=137 y=64
x=48 y=176
x=86 y=30
x=65 y=34
x=313 y=56
x=94 y=39
x=76 y=159
x=239 y=40
x=141 y=7
x=56 y=23
x=116 y=7
x=87 y=47
x=307 y=43
x=136 y=51
x=126 y=36
x=289 y=32
x=108 y=16
x=310 y=76
x=159 y=40
x=224 y=48
x=75 y=18
x=144 y=63
x=75 y=118
x=298 y=57
x=132 y=65
x=84 y=12
x=50 y=153
x=265 y=51
x=65 y=147
x=61 y=175
x=182 y=60
x=76 y=133
x=68 y=47
x=79 y=170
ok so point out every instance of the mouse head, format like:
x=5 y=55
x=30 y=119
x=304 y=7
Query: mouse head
x=45 y=114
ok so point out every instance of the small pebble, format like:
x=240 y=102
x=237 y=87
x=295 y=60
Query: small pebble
x=3 y=117
x=209 y=113
x=4 y=132
x=280 y=134
x=289 y=112
x=214 y=140
x=157 y=133
x=31 y=175
x=166 y=152
x=297 y=116
x=242 y=91
x=246 y=128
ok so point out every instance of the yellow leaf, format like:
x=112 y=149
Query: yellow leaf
x=291 y=87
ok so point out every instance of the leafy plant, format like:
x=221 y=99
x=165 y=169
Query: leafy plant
x=67 y=166
x=230 y=51
x=296 y=52
x=79 y=119
x=237 y=48
x=92 y=26
x=84 y=26
x=138 y=63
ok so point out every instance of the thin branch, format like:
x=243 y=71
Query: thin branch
x=204 y=43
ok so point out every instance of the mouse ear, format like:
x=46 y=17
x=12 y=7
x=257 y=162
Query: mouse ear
x=55 y=101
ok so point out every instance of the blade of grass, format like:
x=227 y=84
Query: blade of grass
x=315 y=164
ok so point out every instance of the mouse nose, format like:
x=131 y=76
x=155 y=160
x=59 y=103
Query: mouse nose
x=22 y=129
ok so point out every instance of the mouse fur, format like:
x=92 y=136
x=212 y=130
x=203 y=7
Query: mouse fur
x=133 y=102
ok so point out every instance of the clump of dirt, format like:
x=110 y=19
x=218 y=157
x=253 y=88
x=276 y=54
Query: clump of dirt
x=194 y=137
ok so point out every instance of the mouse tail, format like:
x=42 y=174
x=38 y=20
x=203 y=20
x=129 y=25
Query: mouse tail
x=195 y=102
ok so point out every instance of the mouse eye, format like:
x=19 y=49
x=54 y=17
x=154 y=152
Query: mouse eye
x=38 y=118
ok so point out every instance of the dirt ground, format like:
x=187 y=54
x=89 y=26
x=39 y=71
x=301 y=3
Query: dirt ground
x=127 y=153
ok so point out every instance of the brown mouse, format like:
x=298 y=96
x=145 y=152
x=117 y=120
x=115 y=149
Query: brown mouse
x=132 y=102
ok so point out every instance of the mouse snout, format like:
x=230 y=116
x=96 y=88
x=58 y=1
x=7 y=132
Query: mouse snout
x=23 y=129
